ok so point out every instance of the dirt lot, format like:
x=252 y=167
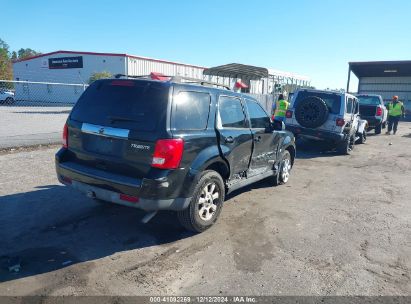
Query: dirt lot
x=342 y=226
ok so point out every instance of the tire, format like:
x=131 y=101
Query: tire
x=208 y=196
x=9 y=100
x=283 y=173
x=362 y=139
x=346 y=146
x=311 y=112
x=378 y=129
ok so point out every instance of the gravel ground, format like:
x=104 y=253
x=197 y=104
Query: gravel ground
x=342 y=226
x=26 y=126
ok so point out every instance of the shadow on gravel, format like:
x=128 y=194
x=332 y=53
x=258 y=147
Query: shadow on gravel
x=52 y=228
x=312 y=149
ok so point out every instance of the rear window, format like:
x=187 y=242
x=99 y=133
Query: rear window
x=333 y=101
x=123 y=104
x=190 y=111
x=369 y=100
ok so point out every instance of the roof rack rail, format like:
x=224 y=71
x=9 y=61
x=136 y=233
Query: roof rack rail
x=179 y=79
x=202 y=82
x=130 y=76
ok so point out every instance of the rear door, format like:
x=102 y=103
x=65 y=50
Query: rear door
x=265 y=140
x=235 y=137
x=349 y=114
x=115 y=124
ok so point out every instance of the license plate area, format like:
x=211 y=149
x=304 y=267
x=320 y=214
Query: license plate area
x=102 y=145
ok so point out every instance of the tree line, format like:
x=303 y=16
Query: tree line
x=7 y=57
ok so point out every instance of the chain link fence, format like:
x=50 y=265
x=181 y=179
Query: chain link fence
x=34 y=113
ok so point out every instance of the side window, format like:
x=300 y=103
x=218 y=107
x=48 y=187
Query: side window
x=231 y=113
x=190 y=111
x=349 y=105
x=356 y=106
x=258 y=117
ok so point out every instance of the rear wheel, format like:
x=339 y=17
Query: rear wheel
x=378 y=129
x=346 y=146
x=206 y=203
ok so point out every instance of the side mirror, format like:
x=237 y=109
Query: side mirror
x=278 y=125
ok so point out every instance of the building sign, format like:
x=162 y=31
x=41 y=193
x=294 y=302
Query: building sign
x=66 y=62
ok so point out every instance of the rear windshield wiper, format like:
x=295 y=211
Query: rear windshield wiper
x=119 y=118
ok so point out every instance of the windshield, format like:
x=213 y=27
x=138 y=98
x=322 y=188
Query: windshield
x=333 y=101
x=369 y=100
x=123 y=104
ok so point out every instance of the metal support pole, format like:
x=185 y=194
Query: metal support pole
x=348 y=80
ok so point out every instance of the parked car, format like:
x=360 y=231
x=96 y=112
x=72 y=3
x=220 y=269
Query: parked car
x=169 y=145
x=326 y=115
x=372 y=109
x=6 y=97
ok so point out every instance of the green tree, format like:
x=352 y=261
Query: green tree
x=99 y=75
x=6 y=71
x=25 y=53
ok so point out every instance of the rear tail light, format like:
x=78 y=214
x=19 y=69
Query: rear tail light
x=65 y=136
x=379 y=111
x=340 y=122
x=129 y=198
x=168 y=153
x=289 y=114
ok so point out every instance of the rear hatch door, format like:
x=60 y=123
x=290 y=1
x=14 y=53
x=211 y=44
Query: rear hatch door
x=333 y=102
x=115 y=124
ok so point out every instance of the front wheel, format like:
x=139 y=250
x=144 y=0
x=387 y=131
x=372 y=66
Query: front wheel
x=284 y=169
x=362 y=138
x=206 y=203
x=9 y=100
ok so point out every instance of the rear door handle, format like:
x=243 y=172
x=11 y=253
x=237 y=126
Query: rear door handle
x=257 y=138
x=229 y=139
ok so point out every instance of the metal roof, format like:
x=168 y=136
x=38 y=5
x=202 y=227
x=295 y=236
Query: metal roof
x=108 y=54
x=236 y=70
x=381 y=68
x=288 y=74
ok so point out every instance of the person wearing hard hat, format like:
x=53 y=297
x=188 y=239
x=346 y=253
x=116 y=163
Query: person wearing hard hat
x=281 y=107
x=395 y=112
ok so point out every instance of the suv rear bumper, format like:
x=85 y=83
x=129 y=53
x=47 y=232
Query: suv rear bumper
x=108 y=187
x=317 y=134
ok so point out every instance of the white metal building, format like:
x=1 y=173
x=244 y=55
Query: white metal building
x=77 y=67
x=385 y=78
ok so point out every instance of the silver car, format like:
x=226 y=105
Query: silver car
x=6 y=97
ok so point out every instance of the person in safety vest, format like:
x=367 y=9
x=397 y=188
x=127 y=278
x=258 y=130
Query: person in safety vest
x=281 y=107
x=395 y=112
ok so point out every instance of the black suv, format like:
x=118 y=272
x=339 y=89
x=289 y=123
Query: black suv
x=170 y=145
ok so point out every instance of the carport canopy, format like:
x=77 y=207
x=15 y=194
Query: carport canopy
x=237 y=70
x=381 y=68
